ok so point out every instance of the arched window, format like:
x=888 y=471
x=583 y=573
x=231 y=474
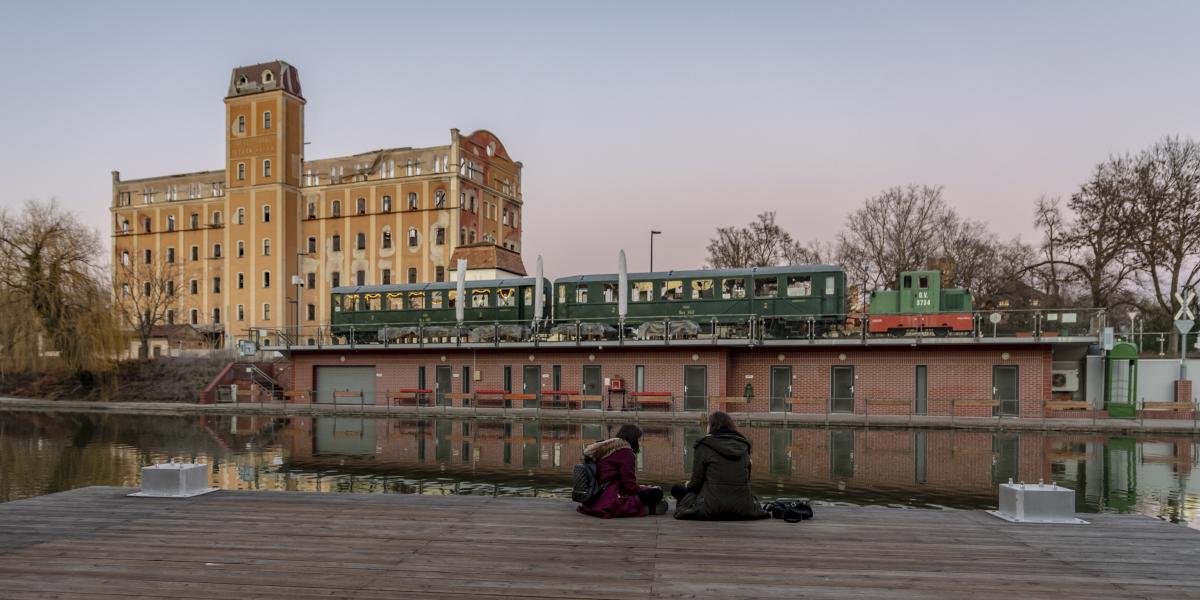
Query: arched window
x=360 y=205
x=266 y=213
x=241 y=124
x=337 y=208
x=241 y=216
x=413 y=238
x=170 y=222
x=387 y=239
x=267 y=120
x=360 y=241
x=124 y=225
x=241 y=171
x=125 y=258
x=216 y=217
x=266 y=246
x=266 y=168
x=412 y=201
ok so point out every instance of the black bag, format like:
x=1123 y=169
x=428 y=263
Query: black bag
x=584 y=485
x=791 y=511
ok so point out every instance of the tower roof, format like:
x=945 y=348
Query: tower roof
x=265 y=77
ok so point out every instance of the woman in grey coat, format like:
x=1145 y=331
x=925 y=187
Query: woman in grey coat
x=720 y=483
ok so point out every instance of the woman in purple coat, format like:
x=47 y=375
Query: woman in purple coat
x=616 y=472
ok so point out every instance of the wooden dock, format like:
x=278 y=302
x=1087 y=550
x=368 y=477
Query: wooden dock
x=97 y=543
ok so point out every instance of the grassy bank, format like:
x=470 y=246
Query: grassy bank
x=159 y=380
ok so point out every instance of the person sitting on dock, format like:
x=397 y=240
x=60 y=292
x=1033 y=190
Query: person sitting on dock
x=720 y=483
x=616 y=472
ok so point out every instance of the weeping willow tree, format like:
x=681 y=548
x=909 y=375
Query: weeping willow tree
x=55 y=302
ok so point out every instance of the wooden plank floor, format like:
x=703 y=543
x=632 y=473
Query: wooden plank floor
x=97 y=543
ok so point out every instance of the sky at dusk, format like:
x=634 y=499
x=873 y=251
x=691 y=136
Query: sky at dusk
x=679 y=117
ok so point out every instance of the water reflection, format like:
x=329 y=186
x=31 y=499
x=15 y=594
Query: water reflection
x=47 y=452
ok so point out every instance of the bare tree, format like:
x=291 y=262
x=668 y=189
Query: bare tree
x=1164 y=211
x=54 y=295
x=901 y=229
x=145 y=293
x=762 y=243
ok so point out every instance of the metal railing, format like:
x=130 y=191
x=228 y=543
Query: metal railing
x=696 y=330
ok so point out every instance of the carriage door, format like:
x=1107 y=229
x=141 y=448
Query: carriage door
x=441 y=384
x=842 y=392
x=781 y=388
x=695 y=387
x=1004 y=389
x=532 y=384
x=591 y=385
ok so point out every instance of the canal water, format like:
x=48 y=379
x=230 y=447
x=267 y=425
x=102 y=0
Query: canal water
x=42 y=453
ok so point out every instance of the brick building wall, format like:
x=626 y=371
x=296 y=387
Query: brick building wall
x=954 y=373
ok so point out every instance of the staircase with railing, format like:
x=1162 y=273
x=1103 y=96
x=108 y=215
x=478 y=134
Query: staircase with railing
x=244 y=381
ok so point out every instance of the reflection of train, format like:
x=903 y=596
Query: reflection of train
x=774 y=302
x=920 y=303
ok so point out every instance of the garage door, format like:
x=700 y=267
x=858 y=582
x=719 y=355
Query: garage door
x=345 y=379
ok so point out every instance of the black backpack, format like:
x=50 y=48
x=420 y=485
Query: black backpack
x=584 y=485
x=791 y=511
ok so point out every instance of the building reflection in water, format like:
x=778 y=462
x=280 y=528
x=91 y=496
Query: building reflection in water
x=46 y=452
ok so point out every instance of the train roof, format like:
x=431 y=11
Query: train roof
x=440 y=285
x=704 y=273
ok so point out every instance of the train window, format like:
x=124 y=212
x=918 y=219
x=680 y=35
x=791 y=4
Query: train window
x=765 y=287
x=451 y=298
x=562 y=294
x=374 y=301
x=527 y=296
x=829 y=286
x=581 y=294
x=479 y=298
x=435 y=300
x=799 y=285
x=733 y=289
x=923 y=282
x=395 y=301
x=337 y=303
x=907 y=283
x=506 y=297
x=416 y=300
x=610 y=292
x=672 y=290
x=641 y=291
x=349 y=301
x=702 y=289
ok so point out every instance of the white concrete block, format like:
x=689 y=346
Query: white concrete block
x=1036 y=503
x=174 y=480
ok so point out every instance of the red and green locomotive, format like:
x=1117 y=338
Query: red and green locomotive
x=921 y=304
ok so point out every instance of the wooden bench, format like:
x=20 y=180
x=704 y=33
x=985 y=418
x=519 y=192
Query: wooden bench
x=347 y=394
x=1169 y=407
x=956 y=404
x=495 y=397
x=512 y=399
x=294 y=396
x=644 y=399
x=557 y=398
x=725 y=401
x=418 y=397
x=1067 y=405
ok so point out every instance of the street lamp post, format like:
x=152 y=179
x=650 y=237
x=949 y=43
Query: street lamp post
x=652 y=234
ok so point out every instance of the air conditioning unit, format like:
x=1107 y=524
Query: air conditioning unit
x=1064 y=380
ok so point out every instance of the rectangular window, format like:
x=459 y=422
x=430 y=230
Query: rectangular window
x=216 y=285
x=639 y=378
x=147 y=255
x=439 y=236
x=799 y=285
x=506 y=297
x=466 y=379
x=829 y=285
x=641 y=291
x=241 y=171
x=479 y=298
x=241 y=281
x=266 y=312
x=416 y=300
x=312 y=281
x=266 y=247
x=386 y=276
x=336 y=279
x=672 y=290
x=360 y=277
x=171 y=317
x=581 y=295
x=435 y=300
x=266 y=279
x=508 y=378
x=267 y=120
x=266 y=213
x=439 y=274
x=733 y=289
x=312 y=245
x=312 y=312
x=412 y=274
x=241 y=312
x=610 y=292
x=194 y=286
x=194 y=316
x=421 y=377
x=195 y=252
x=216 y=251
x=766 y=287
x=702 y=289
x=241 y=248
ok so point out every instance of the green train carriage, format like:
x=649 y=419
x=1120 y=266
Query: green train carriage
x=383 y=313
x=786 y=300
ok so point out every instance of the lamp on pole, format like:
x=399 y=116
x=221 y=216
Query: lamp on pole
x=652 y=234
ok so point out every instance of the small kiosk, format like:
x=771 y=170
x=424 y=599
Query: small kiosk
x=1120 y=381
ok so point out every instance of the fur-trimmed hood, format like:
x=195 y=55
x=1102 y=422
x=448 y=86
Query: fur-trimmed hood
x=599 y=450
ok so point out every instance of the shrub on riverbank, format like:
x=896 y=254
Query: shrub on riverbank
x=158 y=380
